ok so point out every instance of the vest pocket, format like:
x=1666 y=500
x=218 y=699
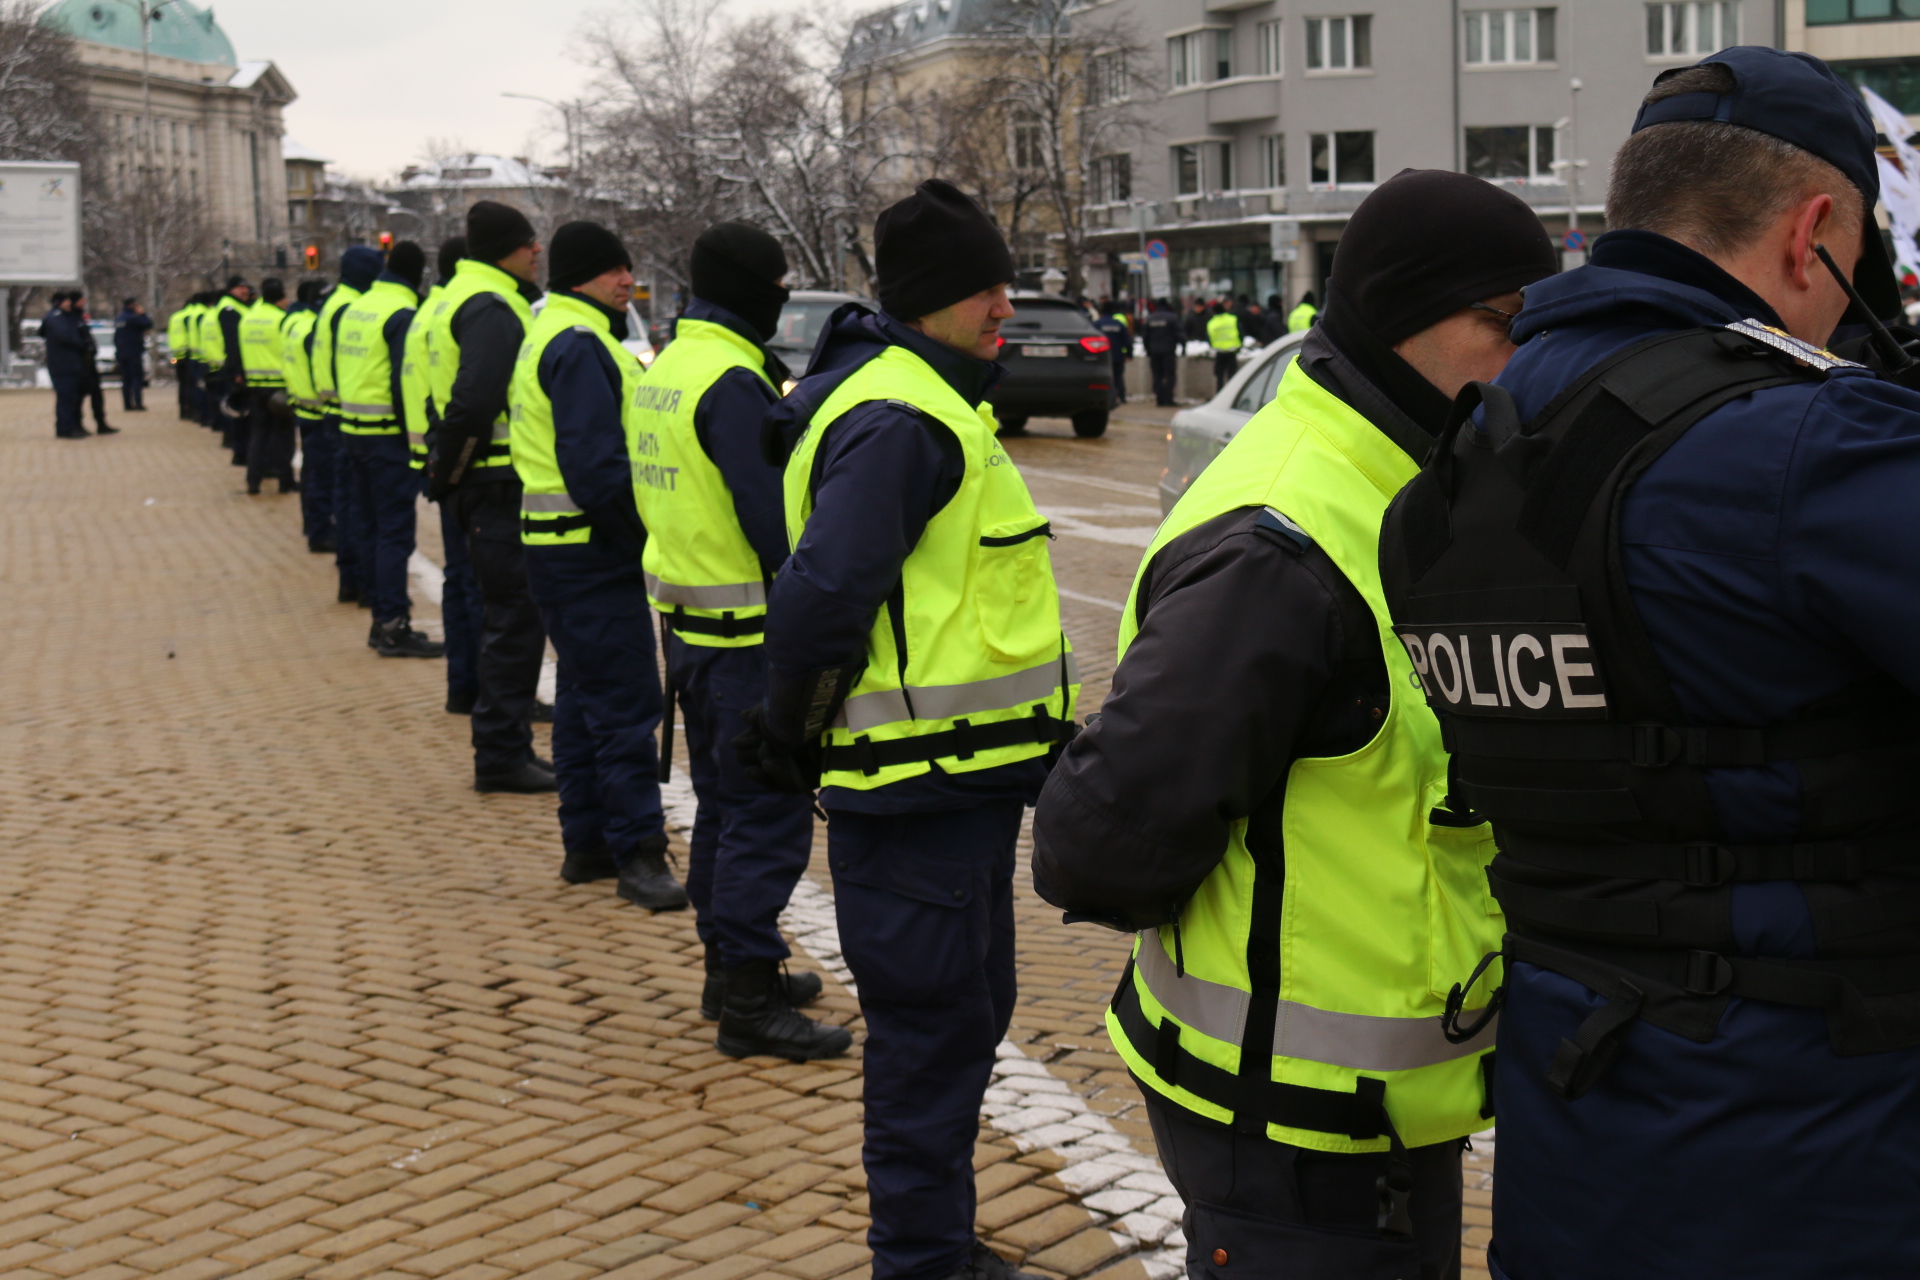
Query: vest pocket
x=1012 y=576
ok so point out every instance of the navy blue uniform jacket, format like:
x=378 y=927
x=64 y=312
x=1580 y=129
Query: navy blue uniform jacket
x=69 y=349
x=882 y=472
x=1774 y=554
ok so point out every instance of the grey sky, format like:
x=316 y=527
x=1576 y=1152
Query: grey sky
x=378 y=78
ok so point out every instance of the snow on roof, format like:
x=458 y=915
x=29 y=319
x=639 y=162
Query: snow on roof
x=479 y=171
x=291 y=150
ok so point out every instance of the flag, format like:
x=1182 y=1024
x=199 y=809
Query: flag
x=1899 y=184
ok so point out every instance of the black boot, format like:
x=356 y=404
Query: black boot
x=985 y=1264
x=756 y=1020
x=459 y=704
x=646 y=882
x=798 y=989
x=540 y=712
x=398 y=639
x=584 y=868
x=321 y=547
x=527 y=778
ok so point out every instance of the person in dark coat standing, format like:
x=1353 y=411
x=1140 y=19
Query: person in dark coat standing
x=130 y=329
x=94 y=389
x=67 y=357
x=1119 y=336
x=1161 y=336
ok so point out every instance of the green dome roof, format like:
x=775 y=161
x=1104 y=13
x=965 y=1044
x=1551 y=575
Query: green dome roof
x=180 y=30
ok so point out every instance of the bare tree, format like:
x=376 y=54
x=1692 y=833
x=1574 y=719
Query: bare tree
x=43 y=106
x=148 y=218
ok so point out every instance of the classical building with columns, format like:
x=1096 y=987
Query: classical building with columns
x=217 y=118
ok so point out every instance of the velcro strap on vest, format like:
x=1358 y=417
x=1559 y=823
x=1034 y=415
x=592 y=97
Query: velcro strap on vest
x=726 y=624
x=555 y=524
x=962 y=742
x=1360 y=1115
x=1704 y=865
x=1561 y=910
x=1655 y=746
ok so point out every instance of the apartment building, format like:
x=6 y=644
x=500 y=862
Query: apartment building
x=1875 y=43
x=1276 y=117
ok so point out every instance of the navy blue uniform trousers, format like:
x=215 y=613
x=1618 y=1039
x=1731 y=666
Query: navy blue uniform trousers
x=377 y=518
x=607 y=700
x=316 y=479
x=459 y=611
x=186 y=378
x=69 y=390
x=512 y=641
x=750 y=845
x=133 y=381
x=924 y=903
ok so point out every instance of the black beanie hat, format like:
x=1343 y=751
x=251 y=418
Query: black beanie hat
x=271 y=290
x=738 y=266
x=581 y=251
x=1427 y=242
x=934 y=248
x=408 y=261
x=495 y=230
x=450 y=254
x=237 y=282
x=310 y=290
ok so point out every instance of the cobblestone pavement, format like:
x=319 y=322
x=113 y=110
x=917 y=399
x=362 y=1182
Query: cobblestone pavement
x=281 y=997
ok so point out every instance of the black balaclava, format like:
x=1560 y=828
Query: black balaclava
x=408 y=261
x=583 y=251
x=450 y=254
x=738 y=266
x=934 y=249
x=1423 y=245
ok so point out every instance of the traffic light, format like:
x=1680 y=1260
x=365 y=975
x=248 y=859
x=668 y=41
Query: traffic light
x=313 y=257
x=386 y=242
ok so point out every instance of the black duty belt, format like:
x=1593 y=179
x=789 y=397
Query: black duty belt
x=1655 y=746
x=1359 y=1115
x=962 y=742
x=1705 y=864
x=726 y=625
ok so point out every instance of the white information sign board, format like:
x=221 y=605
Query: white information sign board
x=39 y=223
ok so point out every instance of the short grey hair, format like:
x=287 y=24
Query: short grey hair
x=1713 y=186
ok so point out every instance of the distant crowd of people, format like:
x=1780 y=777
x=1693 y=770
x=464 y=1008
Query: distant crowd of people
x=73 y=362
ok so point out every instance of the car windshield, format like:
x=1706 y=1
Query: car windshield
x=801 y=321
x=1036 y=315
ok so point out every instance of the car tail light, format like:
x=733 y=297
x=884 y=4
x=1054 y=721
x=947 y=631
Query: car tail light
x=1096 y=345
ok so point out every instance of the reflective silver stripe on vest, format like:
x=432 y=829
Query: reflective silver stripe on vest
x=416 y=439
x=560 y=504
x=368 y=410
x=1359 y=1041
x=945 y=701
x=737 y=595
x=502 y=431
x=309 y=404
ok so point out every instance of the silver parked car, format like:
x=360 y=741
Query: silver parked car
x=1200 y=433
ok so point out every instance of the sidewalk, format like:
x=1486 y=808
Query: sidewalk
x=281 y=997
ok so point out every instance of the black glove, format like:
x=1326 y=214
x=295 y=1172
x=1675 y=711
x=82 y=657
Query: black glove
x=789 y=769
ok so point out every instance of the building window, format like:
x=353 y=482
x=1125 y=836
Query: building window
x=1895 y=79
x=1107 y=79
x=1027 y=146
x=1273 y=160
x=1695 y=28
x=1200 y=56
x=1340 y=44
x=1113 y=179
x=1186 y=170
x=1522 y=151
x=297 y=214
x=1340 y=159
x=193 y=140
x=1507 y=35
x=1272 y=52
x=1822 y=13
x=1220 y=166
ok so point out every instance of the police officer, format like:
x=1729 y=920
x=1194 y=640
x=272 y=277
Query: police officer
x=717 y=537
x=186 y=368
x=1263 y=794
x=130 y=329
x=1699 y=747
x=1113 y=323
x=360 y=266
x=1302 y=316
x=1160 y=335
x=67 y=353
x=459 y=596
x=309 y=411
x=380 y=488
x=583 y=543
x=226 y=368
x=917 y=669
x=473 y=342
x=1223 y=336
x=94 y=387
x=269 y=412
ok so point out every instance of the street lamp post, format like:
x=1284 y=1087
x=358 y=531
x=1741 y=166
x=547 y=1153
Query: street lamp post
x=149 y=11
x=1568 y=167
x=566 y=110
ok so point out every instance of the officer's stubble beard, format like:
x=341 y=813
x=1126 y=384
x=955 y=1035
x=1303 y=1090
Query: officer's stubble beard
x=970 y=326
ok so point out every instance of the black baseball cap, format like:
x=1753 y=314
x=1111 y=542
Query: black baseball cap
x=1797 y=98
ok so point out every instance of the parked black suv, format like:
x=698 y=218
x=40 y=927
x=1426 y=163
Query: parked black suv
x=1058 y=366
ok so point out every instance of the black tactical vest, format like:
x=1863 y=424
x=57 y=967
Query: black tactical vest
x=1502 y=569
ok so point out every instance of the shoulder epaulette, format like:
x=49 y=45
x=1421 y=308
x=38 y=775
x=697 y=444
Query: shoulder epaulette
x=1781 y=340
